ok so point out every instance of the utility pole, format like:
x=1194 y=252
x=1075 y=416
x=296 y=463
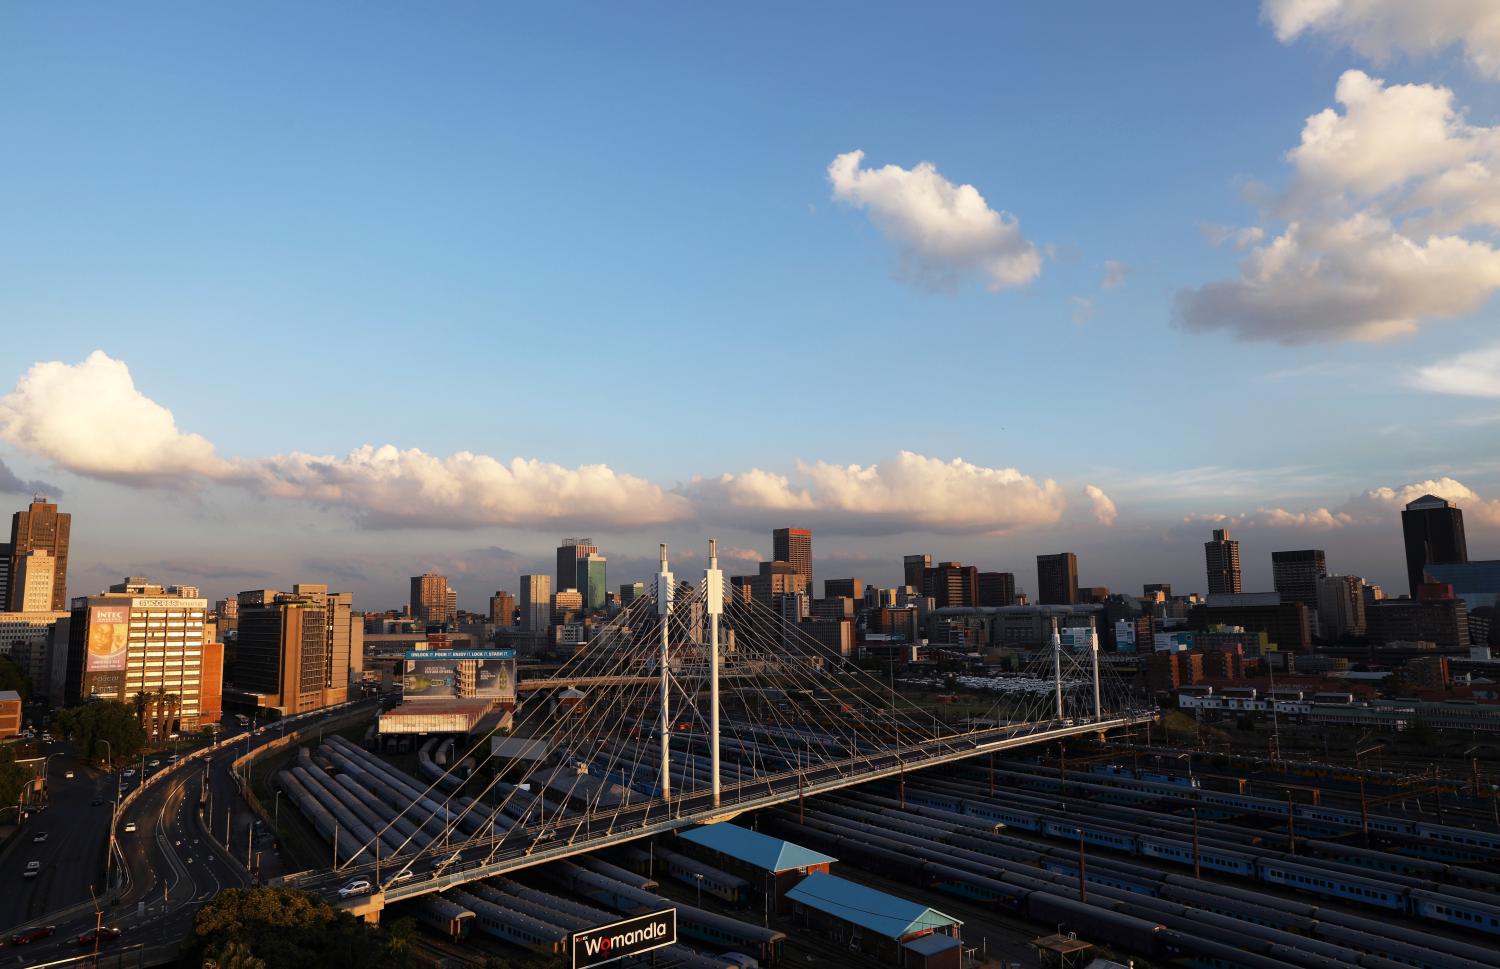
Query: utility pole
x=664 y=592
x=1083 y=892
x=1197 y=861
x=1057 y=667
x=713 y=587
x=1364 y=813
x=1291 y=825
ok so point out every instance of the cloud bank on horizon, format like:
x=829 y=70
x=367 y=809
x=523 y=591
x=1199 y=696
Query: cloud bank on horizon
x=90 y=419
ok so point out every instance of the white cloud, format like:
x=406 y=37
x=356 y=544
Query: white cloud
x=1394 y=498
x=389 y=487
x=1379 y=225
x=1472 y=374
x=1319 y=519
x=1243 y=238
x=1103 y=508
x=911 y=491
x=1379 y=28
x=1083 y=310
x=943 y=231
x=1115 y=272
x=88 y=418
x=1376 y=506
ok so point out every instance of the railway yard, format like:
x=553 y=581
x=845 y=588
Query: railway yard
x=1187 y=858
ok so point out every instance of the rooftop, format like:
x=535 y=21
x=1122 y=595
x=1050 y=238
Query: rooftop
x=752 y=847
x=887 y=915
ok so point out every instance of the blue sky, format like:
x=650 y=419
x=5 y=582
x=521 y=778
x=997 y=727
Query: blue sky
x=595 y=234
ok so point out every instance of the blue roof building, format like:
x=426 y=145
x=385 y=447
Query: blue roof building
x=758 y=850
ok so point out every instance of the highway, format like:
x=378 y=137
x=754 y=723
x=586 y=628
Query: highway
x=172 y=865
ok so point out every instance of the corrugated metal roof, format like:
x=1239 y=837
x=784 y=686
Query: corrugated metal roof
x=867 y=907
x=754 y=848
x=932 y=943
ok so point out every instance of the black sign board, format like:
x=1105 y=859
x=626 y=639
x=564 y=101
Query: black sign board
x=594 y=947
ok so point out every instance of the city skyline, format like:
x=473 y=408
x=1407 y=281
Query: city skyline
x=1219 y=253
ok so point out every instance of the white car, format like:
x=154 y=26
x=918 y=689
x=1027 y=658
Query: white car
x=130 y=827
x=153 y=763
x=404 y=875
x=33 y=869
x=357 y=887
x=128 y=772
x=67 y=775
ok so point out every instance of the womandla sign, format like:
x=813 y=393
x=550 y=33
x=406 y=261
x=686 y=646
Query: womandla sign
x=594 y=947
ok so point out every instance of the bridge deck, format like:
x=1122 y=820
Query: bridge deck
x=534 y=845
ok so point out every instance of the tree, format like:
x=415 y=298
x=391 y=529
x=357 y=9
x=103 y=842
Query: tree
x=13 y=777
x=11 y=678
x=99 y=721
x=234 y=955
x=281 y=928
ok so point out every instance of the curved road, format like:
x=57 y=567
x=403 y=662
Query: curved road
x=173 y=865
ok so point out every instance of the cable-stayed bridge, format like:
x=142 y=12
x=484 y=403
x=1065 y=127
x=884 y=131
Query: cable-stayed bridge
x=702 y=704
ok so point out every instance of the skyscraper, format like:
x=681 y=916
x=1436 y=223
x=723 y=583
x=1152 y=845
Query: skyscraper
x=429 y=599
x=951 y=584
x=536 y=602
x=591 y=580
x=1296 y=574
x=913 y=567
x=997 y=589
x=1057 y=579
x=794 y=547
x=570 y=555
x=294 y=651
x=34 y=581
x=1223 y=558
x=1434 y=533
x=502 y=608
x=1341 y=606
x=40 y=526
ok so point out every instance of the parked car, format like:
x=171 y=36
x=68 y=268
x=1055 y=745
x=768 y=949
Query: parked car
x=32 y=934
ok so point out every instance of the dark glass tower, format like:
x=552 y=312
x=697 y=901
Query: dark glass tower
x=1434 y=531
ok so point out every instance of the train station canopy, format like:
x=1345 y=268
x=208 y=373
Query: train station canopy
x=869 y=908
x=753 y=848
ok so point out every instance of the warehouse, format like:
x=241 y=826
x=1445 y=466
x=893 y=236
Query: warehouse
x=769 y=864
x=884 y=926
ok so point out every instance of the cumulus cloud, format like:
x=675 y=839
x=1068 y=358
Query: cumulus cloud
x=1386 y=224
x=1472 y=374
x=910 y=491
x=389 y=487
x=89 y=418
x=10 y=484
x=1104 y=509
x=1379 y=28
x=942 y=231
x=1115 y=272
x=1376 y=506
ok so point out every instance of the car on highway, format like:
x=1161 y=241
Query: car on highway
x=128 y=772
x=404 y=875
x=32 y=934
x=154 y=763
x=33 y=869
x=106 y=933
x=172 y=759
x=130 y=827
x=67 y=775
x=39 y=837
x=357 y=887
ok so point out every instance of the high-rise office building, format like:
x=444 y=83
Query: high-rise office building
x=631 y=591
x=1222 y=556
x=1434 y=532
x=794 y=547
x=997 y=589
x=565 y=605
x=591 y=580
x=137 y=638
x=913 y=567
x=40 y=526
x=429 y=599
x=570 y=555
x=535 y=602
x=775 y=579
x=4 y=576
x=35 y=577
x=844 y=588
x=502 y=608
x=951 y=584
x=1296 y=573
x=1341 y=606
x=296 y=650
x=1057 y=579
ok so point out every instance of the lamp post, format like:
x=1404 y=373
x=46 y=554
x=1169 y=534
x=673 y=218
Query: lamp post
x=276 y=814
x=1083 y=892
x=109 y=854
x=698 y=877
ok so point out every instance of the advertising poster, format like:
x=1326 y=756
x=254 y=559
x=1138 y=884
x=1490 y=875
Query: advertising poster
x=109 y=638
x=430 y=679
x=495 y=679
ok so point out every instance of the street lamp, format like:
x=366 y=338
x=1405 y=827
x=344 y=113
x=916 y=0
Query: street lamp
x=698 y=876
x=109 y=853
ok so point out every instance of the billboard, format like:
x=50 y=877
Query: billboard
x=593 y=947
x=430 y=679
x=109 y=638
x=495 y=679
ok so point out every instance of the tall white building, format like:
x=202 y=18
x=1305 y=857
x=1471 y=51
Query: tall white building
x=35 y=575
x=536 y=602
x=138 y=638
